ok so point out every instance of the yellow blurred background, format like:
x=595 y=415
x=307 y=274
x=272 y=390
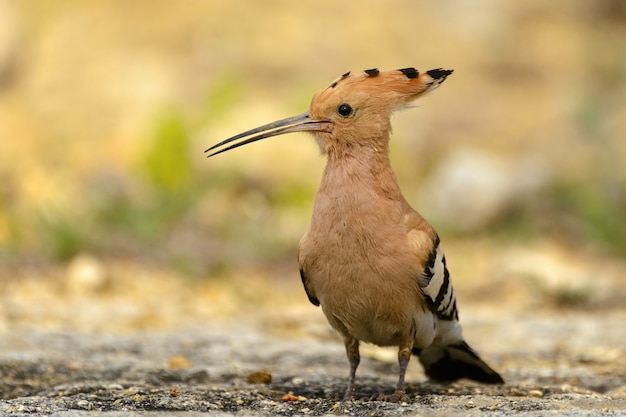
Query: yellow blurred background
x=106 y=107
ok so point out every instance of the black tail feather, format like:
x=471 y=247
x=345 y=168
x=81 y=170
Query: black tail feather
x=452 y=362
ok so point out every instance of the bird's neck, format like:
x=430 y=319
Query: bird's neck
x=358 y=196
x=360 y=174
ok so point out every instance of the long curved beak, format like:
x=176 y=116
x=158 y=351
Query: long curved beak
x=299 y=123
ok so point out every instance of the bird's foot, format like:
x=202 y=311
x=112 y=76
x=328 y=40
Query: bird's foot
x=349 y=396
x=399 y=396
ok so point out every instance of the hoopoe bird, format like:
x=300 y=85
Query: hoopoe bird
x=373 y=264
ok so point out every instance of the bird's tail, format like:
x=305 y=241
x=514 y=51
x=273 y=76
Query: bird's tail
x=455 y=361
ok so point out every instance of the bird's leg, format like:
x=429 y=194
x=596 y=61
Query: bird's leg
x=404 y=355
x=352 y=350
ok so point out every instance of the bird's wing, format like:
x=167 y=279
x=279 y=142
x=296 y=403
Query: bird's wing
x=434 y=281
x=449 y=357
x=313 y=299
x=307 y=288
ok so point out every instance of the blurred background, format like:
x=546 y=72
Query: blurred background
x=106 y=107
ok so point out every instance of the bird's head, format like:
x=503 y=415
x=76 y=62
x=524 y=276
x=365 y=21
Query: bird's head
x=354 y=110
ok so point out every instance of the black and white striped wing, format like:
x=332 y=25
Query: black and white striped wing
x=436 y=286
x=449 y=357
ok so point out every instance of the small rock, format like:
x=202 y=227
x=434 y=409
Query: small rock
x=289 y=397
x=85 y=404
x=260 y=377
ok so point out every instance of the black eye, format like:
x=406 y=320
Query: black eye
x=344 y=109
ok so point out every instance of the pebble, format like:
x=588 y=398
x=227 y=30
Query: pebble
x=85 y=404
x=260 y=377
x=289 y=397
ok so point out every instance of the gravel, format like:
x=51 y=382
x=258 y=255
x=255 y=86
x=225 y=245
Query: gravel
x=571 y=364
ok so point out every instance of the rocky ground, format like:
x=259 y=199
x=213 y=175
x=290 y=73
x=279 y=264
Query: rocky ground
x=282 y=359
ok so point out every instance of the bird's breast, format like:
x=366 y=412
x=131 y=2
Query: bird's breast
x=360 y=265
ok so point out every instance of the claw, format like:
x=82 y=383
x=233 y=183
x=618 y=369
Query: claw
x=399 y=397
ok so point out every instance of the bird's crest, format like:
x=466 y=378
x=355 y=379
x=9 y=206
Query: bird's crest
x=395 y=88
